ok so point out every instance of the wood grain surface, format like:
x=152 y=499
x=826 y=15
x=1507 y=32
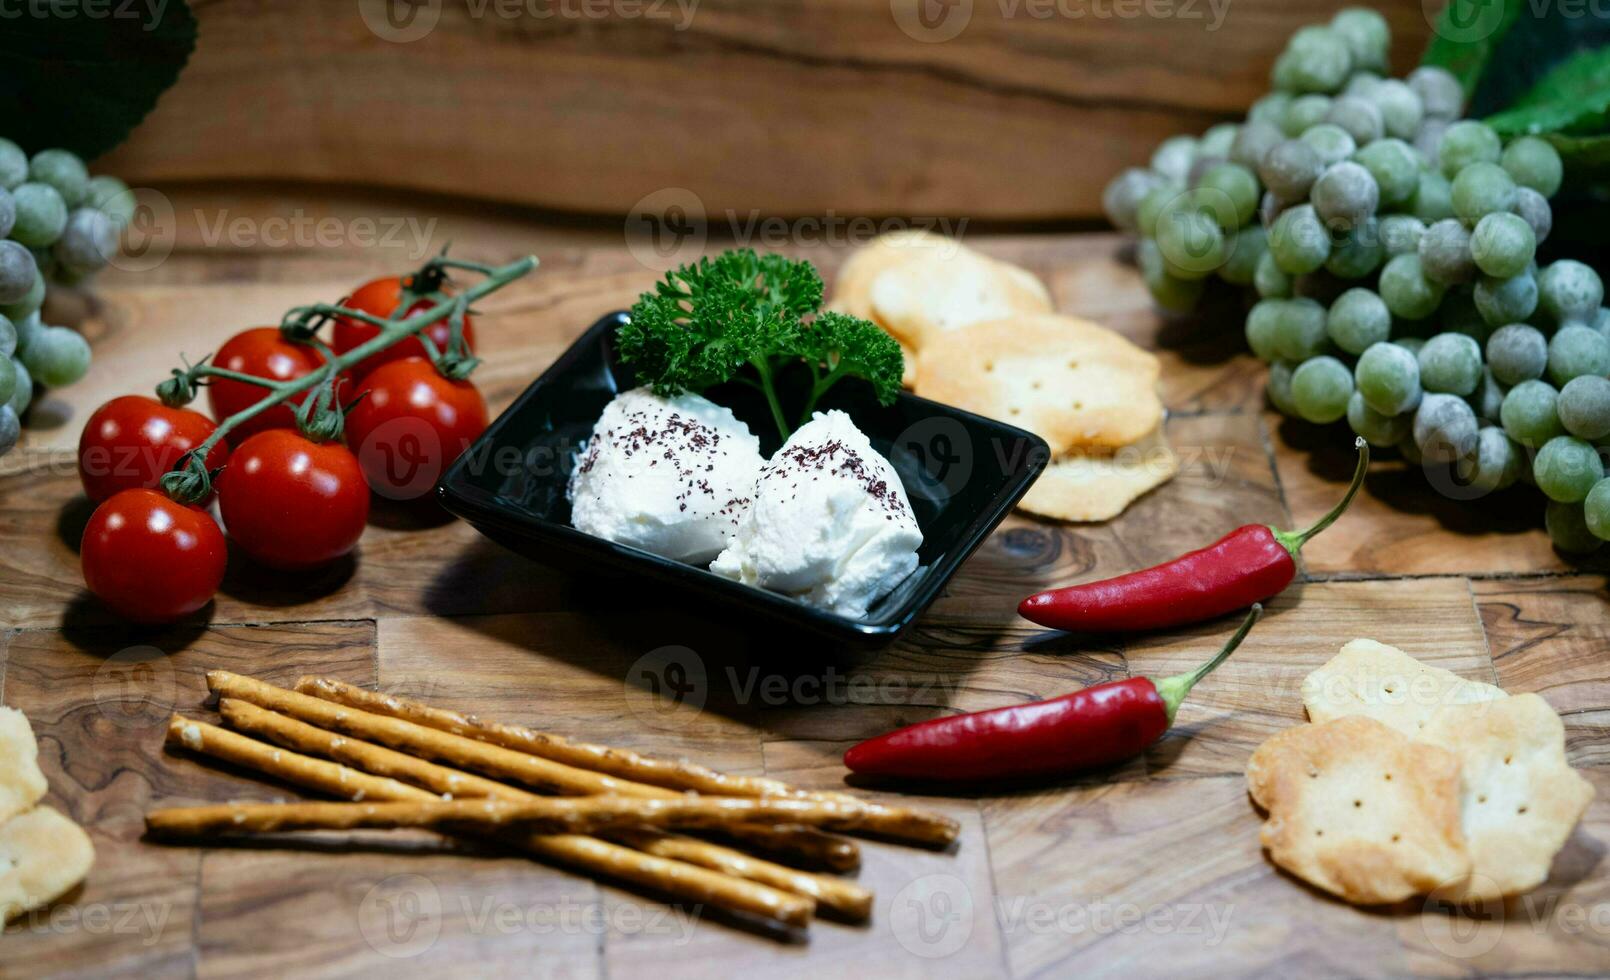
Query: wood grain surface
x=590 y=106
x=1151 y=868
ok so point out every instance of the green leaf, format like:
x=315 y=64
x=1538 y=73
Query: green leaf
x=82 y=77
x=1467 y=35
x=1573 y=98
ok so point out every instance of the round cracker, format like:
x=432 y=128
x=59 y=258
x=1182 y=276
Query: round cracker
x=852 y=287
x=939 y=291
x=1077 y=385
x=1099 y=488
x=21 y=782
x=44 y=856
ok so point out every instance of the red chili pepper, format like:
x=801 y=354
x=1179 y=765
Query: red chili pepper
x=1087 y=729
x=1250 y=564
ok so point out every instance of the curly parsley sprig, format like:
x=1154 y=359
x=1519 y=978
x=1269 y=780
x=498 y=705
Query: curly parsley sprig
x=746 y=317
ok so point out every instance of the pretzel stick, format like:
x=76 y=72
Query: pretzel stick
x=493 y=760
x=900 y=823
x=841 y=896
x=683 y=881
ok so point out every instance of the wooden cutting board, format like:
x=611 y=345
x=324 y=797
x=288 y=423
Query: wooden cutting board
x=1151 y=868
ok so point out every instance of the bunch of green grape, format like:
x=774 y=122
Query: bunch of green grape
x=57 y=225
x=1391 y=247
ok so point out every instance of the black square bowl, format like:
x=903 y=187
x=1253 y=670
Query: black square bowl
x=962 y=472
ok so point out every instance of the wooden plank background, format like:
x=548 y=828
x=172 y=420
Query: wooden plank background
x=779 y=107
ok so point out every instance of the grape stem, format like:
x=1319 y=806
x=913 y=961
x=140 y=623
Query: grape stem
x=189 y=481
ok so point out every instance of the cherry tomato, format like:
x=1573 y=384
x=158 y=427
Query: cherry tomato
x=380 y=298
x=411 y=425
x=293 y=503
x=150 y=559
x=131 y=441
x=264 y=353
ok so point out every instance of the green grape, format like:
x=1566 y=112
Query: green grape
x=57 y=357
x=1303 y=112
x=1388 y=376
x=1401 y=233
x=1298 y=240
x=1357 y=321
x=1173 y=158
x=1331 y=142
x=18 y=311
x=1494 y=464
x=1450 y=363
x=1467 y=142
x=10 y=429
x=1319 y=59
x=1320 y=389
x=1395 y=168
x=63 y=170
x=41 y=214
x=1151 y=205
x=1345 y=194
x=1270 y=109
x=1122 y=196
x=1270 y=281
x=1358 y=116
x=1239 y=186
x=1247 y=248
x=1263 y=329
x=28 y=328
x=1433 y=198
x=1168 y=291
x=8 y=212
x=1534 y=163
x=1401 y=110
x=1378 y=430
x=1569 y=290
x=1279 y=388
x=1254 y=139
x=17 y=272
x=8 y=340
x=1440 y=92
x=24 y=393
x=1584 y=407
x=1366 y=35
x=1444 y=428
x=1289 y=169
x=1407 y=291
x=1529 y=415
x=8 y=381
x=1428 y=143
x=1576 y=350
x=13 y=165
x=1190 y=233
x=1216 y=142
x=1535 y=211
x=1481 y=189
x=1566 y=468
x=1517 y=352
x=1511 y=300
x=113 y=198
x=1568 y=528
x=1358 y=253
x=1299 y=329
x=88 y=242
x=1503 y=245
x=1596 y=510
x=1445 y=253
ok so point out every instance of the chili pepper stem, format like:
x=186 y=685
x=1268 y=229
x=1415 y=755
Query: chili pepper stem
x=1293 y=541
x=1173 y=690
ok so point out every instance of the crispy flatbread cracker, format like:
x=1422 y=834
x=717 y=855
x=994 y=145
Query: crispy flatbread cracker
x=1099 y=488
x=1359 y=810
x=922 y=299
x=1384 y=683
x=1074 y=383
x=1520 y=797
x=43 y=856
x=852 y=287
x=21 y=783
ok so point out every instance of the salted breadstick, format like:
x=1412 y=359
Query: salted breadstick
x=493 y=760
x=841 y=896
x=899 y=823
x=586 y=854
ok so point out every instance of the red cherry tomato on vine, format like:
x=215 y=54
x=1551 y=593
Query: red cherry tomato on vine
x=380 y=298
x=290 y=502
x=264 y=353
x=150 y=559
x=131 y=441
x=411 y=425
